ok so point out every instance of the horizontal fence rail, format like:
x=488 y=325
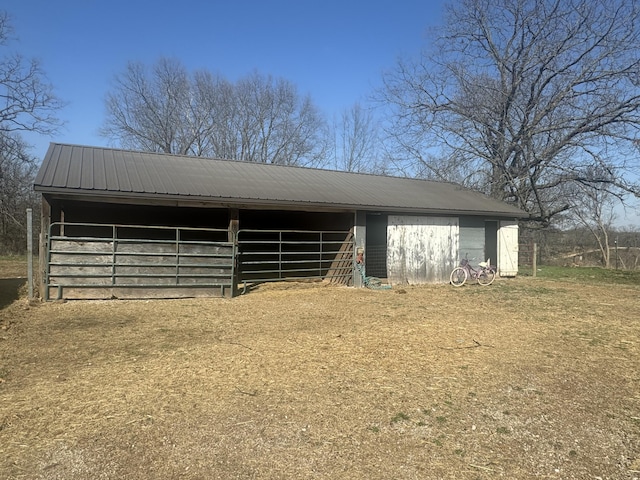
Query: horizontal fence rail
x=274 y=255
x=129 y=258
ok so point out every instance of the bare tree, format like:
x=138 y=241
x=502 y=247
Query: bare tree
x=357 y=141
x=27 y=101
x=258 y=119
x=593 y=208
x=17 y=170
x=276 y=125
x=523 y=96
x=27 y=104
x=153 y=110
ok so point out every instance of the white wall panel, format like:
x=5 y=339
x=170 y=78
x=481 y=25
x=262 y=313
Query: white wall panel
x=421 y=249
x=508 y=249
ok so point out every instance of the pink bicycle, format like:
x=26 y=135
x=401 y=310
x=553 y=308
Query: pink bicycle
x=485 y=274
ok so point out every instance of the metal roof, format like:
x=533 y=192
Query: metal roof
x=104 y=172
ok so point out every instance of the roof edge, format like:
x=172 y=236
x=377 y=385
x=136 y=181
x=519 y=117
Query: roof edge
x=292 y=205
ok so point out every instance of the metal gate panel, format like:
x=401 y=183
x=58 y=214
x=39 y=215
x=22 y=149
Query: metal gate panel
x=274 y=255
x=133 y=261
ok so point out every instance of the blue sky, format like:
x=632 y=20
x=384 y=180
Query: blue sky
x=335 y=51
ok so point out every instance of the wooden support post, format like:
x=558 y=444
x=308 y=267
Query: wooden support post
x=360 y=240
x=232 y=237
x=534 y=260
x=30 y=252
x=45 y=222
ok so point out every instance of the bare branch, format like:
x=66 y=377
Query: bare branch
x=524 y=95
x=258 y=119
x=27 y=101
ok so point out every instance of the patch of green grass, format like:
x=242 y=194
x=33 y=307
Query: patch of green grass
x=399 y=417
x=503 y=430
x=586 y=274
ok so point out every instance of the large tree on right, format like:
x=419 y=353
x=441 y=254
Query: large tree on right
x=523 y=99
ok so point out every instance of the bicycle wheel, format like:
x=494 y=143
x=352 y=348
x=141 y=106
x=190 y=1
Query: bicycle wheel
x=458 y=277
x=486 y=276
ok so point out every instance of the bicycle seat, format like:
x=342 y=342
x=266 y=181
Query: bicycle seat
x=484 y=264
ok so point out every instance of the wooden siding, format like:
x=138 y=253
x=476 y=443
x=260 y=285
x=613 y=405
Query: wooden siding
x=137 y=268
x=421 y=249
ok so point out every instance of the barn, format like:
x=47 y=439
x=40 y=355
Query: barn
x=127 y=224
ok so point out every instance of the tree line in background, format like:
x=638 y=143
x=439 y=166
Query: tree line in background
x=575 y=247
x=27 y=104
x=165 y=108
x=534 y=102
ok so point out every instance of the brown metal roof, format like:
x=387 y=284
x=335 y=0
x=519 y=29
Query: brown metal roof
x=105 y=172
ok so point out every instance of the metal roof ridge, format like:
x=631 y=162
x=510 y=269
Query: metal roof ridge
x=262 y=165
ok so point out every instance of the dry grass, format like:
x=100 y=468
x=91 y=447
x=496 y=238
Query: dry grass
x=527 y=378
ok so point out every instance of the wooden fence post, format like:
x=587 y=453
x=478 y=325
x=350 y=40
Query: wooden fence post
x=534 y=260
x=30 y=252
x=232 y=237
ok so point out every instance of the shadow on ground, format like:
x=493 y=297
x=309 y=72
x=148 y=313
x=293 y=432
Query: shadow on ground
x=10 y=290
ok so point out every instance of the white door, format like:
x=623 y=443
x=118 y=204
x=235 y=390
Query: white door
x=508 y=249
x=421 y=249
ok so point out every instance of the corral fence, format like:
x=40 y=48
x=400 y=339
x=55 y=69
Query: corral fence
x=276 y=255
x=86 y=260
x=92 y=260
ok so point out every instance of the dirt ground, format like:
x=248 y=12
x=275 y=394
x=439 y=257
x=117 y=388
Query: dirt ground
x=526 y=378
